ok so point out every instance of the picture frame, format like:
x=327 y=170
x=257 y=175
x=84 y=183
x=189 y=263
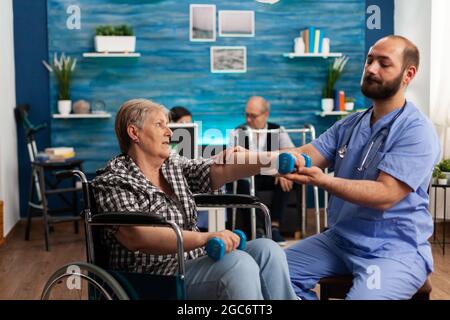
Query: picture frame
x=202 y=22
x=236 y=23
x=228 y=59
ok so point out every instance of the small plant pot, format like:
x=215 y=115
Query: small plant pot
x=447 y=174
x=349 y=106
x=327 y=104
x=442 y=181
x=64 y=106
x=115 y=43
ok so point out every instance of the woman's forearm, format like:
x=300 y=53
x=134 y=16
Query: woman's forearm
x=240 y=165
x=158 y=240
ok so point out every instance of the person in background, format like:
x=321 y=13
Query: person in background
x=257 y=113
x=180 y=114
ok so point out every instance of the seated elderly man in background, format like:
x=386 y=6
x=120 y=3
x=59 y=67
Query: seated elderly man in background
x=257 y=113
x=148 y=177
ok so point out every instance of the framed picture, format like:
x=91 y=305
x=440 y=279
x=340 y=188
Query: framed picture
x=236 y=23
x=202 y=22
x=228 y=59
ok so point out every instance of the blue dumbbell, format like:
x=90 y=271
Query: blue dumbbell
x=215 y=247
x=286 y=162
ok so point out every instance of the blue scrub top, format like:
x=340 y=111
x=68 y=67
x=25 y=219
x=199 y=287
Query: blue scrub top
x=409 y=154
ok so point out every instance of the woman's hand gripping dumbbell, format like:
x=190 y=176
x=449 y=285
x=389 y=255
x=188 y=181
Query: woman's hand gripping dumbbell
x=216 y=247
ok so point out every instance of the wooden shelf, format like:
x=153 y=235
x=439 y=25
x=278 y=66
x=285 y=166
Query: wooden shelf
x=111 y=55
x=292 y=55
x=82 y=116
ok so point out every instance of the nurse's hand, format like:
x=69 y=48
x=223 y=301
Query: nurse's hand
x=313 y=175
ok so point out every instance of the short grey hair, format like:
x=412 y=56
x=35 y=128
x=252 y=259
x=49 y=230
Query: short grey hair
x=263 y=103
x=134 y=112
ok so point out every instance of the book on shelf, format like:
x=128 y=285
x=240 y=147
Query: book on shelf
x=61 y=157
x=316 y=41
x=312 y=32
x=57 y=154
x=59 y=150
x=305 y=36
x=313 y=39
x=320 y=36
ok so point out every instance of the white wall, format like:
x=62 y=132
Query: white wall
x=412 y=19
x=9 y=184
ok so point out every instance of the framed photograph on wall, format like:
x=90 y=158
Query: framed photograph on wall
x=228 y=59
x=236 y=23
x=202 y=22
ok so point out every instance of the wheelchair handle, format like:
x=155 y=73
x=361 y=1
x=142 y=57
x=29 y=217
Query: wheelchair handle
x=66 y=174
x=215 y=247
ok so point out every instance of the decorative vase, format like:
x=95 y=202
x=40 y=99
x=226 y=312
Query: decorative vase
x=442 y=181
x=325 y=46
x=327 y=104
x=64 y=106
x=349 y=106
x=81 y=107
x=299 y=46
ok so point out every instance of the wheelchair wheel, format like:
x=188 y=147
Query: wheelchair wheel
x=82 y=281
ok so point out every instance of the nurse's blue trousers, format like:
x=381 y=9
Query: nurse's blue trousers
x=374 y=278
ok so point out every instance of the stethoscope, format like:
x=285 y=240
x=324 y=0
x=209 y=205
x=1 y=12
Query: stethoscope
x=375 y=144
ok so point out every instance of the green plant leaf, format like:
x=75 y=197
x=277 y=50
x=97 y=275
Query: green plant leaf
x=63 y=68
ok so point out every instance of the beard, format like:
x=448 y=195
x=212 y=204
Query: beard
x=377 y=89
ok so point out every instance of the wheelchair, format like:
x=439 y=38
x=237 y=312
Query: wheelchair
x=92 y=280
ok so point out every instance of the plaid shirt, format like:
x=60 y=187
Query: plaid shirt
x=121 y=186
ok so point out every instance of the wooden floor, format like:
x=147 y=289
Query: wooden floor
x=25 y=266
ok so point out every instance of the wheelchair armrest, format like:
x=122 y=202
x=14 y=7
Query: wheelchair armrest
x=129 y=218
x=212 y=200
x=142 y=218
x=235 y=201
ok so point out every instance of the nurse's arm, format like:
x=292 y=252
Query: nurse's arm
x=381 y=194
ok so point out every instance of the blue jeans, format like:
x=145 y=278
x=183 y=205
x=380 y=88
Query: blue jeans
x=374 y=278
x=258 y=272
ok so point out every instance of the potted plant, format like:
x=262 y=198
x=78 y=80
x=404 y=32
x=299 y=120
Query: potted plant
x=444 y=166
x=63 y=68
x=335 y=70
x=115 y=39
x=349 y=103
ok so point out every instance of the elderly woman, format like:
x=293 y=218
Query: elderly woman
x=148 y=177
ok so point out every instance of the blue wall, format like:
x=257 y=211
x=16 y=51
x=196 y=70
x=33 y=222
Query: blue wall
x=173 y=70
x=387 y=21
x=30 y=48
